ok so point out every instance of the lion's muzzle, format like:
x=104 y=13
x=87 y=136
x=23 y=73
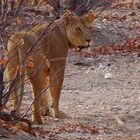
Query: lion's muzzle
x=88 y=44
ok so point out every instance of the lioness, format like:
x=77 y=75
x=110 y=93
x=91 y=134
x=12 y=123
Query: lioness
x=46 y=60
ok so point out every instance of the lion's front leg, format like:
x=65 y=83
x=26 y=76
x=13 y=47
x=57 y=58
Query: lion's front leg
x=55 y=96
x=56 y=78
x=36 y=107
x=44 y=104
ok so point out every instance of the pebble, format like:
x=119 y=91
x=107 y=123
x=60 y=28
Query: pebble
x=101 y=66
x=108 y=76
x=132 y=14
x=52 y=134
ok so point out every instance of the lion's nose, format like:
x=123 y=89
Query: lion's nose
x=88 y=40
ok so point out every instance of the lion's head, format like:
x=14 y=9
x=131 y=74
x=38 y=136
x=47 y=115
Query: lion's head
x=78 y=28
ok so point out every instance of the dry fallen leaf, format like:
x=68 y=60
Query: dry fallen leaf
x=78 y=127
x=130 y=45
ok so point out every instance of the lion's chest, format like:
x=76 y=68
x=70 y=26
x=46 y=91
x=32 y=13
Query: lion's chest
x=56 y=44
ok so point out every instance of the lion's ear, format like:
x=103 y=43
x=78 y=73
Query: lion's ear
x=69 y=17
x=89 y=18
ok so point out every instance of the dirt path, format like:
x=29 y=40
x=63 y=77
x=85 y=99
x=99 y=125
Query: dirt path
x=97 y=108
x=109 y=105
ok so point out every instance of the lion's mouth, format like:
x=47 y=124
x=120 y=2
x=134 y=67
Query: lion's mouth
x=83 y=47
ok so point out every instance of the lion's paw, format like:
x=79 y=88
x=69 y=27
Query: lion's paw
x=59 y=114
x=37 y=120
x=45 y=112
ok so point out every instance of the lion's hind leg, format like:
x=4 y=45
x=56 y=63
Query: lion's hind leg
x=11 y=73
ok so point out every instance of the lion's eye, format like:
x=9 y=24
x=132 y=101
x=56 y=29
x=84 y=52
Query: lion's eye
x=78 y=29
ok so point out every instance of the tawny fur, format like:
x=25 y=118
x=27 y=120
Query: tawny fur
x=47 y=59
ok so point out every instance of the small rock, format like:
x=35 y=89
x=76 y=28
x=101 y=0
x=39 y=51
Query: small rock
x=129 y=82
x=138 y=54
x=108 y=76
x=116 y=109
x=138 y=5
x=120 y=121
x=52 y=134
x=104 y=65
x=83 y=62
x=92 y=68
x=101 y=66
x=132 y=14
x=88 y=71
x=56 y=119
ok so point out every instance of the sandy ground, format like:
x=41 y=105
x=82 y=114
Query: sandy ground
x=97 y=108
